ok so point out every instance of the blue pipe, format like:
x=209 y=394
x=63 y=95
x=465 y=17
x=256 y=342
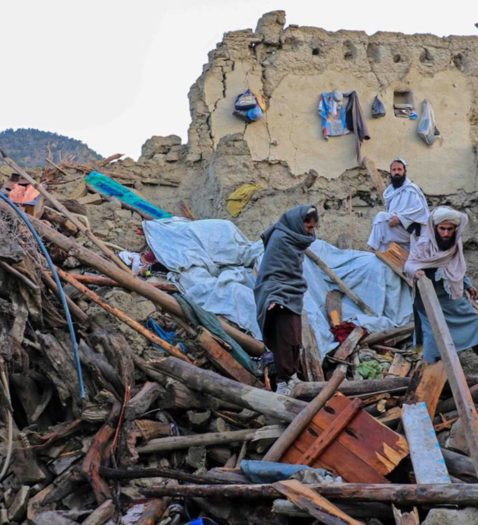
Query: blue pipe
x=74 y=342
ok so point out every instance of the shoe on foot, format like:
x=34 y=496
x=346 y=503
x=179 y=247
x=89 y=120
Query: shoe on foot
x=283 y=388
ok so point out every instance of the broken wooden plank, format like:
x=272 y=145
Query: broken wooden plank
x=454 y=371
x=348 y=346
x=301 y=421
x=395 y=258
x=428 y=462
x=399 y=367
x=427 y=385
x=365 y=451
x=316 y=505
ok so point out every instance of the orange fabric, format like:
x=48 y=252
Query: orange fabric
x=23 y=194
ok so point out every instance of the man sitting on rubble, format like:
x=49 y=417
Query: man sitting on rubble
x=280 y=288
x=407 y=210
x=438 y=254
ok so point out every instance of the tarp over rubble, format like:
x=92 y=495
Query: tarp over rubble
x=212 y=263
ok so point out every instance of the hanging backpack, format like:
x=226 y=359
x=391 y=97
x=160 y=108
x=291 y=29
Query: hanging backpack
x=245 y=101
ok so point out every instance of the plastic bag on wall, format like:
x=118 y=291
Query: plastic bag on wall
x=378 y=108
x=427 y=129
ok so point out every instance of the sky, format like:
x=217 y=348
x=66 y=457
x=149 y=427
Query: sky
x=113 y=73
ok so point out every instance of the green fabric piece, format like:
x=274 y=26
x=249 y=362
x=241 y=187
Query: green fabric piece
x=198 y=316
x=370 y=369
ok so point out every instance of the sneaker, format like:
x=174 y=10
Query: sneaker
x=283 y=388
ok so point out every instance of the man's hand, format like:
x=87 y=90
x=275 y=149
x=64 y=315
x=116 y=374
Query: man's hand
x=473 y=293
x=394 y=221
x=419 y=273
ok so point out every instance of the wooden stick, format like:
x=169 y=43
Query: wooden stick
x=101 y=280
x=301 y=421
x=451 y=494
x=351 y=388
x=338 y=281
x=454 y=371
x=19 y=275
x=59 y=206
x=122 y=316
x=210 y=438
x=74 y=308
x=387 y=334
x=130 y=282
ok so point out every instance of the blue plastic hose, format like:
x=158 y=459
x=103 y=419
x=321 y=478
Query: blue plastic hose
x=74 y=342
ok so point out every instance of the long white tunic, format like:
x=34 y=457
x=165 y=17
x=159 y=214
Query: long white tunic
x=409 y=204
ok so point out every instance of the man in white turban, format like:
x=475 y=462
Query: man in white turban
x=438 y=254
x=406 y=210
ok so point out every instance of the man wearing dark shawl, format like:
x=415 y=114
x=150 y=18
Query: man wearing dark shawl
x=438 y=254
x=280 y=288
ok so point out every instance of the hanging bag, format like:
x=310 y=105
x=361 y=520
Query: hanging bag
x=426 y=128
x=378 y=108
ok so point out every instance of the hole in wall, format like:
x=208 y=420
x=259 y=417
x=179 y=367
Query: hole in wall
x=316 y=51
x=426 y=57
x=404 y=103
x=373 y=52
x=397 y=58
x=350 y=51
x=458 y=60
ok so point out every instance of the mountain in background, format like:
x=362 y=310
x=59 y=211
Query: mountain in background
x=30 y=147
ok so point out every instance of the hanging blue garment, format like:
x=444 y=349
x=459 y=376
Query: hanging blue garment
x=332 y=111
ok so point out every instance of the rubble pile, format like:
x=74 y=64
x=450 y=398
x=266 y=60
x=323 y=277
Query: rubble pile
x=157 y=421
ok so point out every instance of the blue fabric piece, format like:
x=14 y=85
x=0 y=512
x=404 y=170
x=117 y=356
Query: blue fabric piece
x=168 y=335
x=109 y=187
x=332 y=115
x=271 y=471
x=461 y=319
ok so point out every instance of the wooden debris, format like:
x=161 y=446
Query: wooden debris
x=348 y=442
x=316 y=505
x=454 y=371
x=395 y=257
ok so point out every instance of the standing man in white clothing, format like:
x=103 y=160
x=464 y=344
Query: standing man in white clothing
x=407 y=211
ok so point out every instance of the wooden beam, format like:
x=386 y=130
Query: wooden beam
x=339 y=282
x=454 y=371
x=374 y=174
x=378 y=337
x=403 y=494
x=426 y=385
x=210 y=438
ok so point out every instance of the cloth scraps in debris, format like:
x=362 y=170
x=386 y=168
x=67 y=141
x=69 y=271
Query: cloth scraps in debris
x=24 y=194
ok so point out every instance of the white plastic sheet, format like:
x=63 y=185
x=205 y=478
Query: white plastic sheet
x=212 y=263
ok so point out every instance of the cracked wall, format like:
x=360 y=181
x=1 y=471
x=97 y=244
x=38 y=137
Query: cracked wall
x=292 y=66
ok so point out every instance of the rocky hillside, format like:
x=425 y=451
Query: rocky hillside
x=30 y=147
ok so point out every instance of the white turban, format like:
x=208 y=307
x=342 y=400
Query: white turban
x=443 y=213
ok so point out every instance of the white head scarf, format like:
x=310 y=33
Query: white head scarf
x=424 y=251
x=443 y=213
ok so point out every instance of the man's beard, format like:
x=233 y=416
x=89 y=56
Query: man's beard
x=445 y=244
x=397 y=180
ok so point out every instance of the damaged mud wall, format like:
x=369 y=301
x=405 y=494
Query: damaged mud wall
x=285 y=152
